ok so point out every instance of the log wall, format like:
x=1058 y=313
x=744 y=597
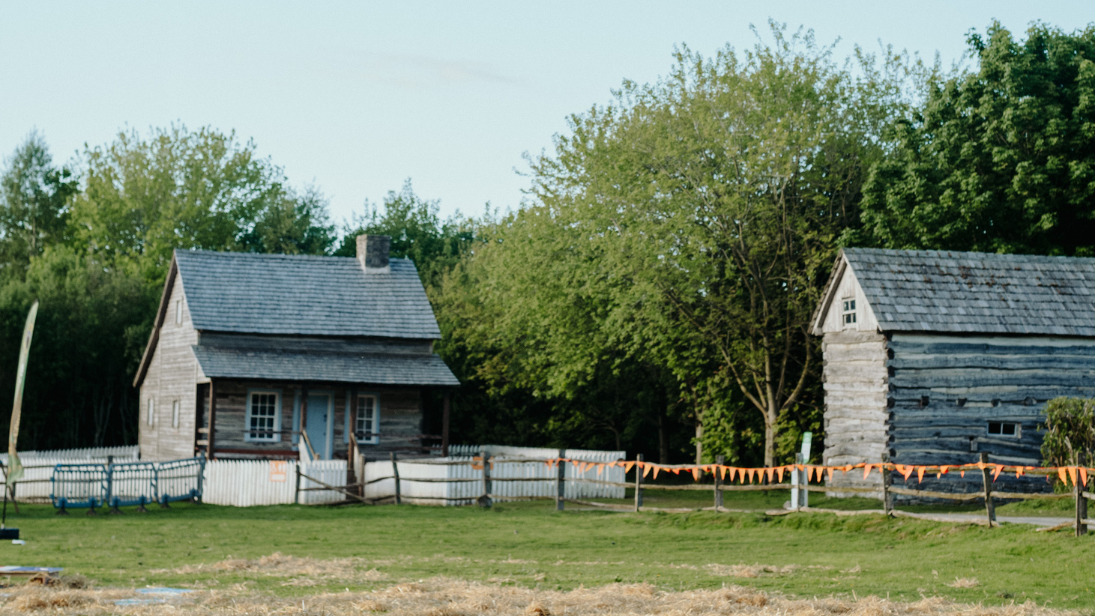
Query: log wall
x=856 y=386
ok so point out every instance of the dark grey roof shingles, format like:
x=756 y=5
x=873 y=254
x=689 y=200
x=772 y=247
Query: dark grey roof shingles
x=970 y=292
x=303 y=295
x=365 y=368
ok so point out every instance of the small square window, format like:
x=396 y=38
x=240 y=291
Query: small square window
x=1004 y=428
x=847 y=311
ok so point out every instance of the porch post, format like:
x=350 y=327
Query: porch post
x=445 y=423
x=209 y=455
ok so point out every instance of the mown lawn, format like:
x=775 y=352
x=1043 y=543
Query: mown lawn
x=532 y=545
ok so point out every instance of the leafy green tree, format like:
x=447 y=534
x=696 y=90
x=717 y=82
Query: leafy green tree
x=693 y=223
x=1070 y=432
x=417 y=232
x=179 y=189
x=34 y=200
x=997 y=159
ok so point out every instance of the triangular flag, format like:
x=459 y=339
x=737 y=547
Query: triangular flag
x=905 y=471
x=752 y=472
x=1019 y=470
x=1072 y=474
x=1083 y=476
x=646 y=468
x=830 y=470
x=1061 y=474
x=996 y=473
x=769 y=471
x=627 y=467
x=867 y=470
x=600 y=469
x=696 y=474
x=656 y=469
x=962 y=473
x=779 y=471
x=920 y=473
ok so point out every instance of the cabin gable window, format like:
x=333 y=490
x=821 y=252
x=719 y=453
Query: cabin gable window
x=1004 y=428
x=367 y=430
x=176 y=413
x=263 y=416
x=847 y=313
x=150 y=412
x=178 y=312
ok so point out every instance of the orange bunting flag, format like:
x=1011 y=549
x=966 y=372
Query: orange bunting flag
x=1019 y=470
x=962 y=473
x=627 y=466
x=769 y=471
x=656 y=469
x=800 y=467
x=830 y=470
x=676 y=471
x=905 y=470
x=1083 y=475
x=1072 y=474
x=722 y=470
x=1061 y=474
x=867 y=470
x=696 y=474
x=600 y=469
x=920 y=473
x=779 y=471
x=943 y=470
x=647 y=468
x=981 y=466
x=818 y=471
x=996 y=473
x=752 y=473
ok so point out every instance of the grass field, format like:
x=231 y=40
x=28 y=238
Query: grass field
x=358 y=548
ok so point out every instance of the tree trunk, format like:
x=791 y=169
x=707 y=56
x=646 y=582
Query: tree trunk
x=769 y=441
x=663 y=439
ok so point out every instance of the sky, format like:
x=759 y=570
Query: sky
x=357 y=97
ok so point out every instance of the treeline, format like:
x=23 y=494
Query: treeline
x=655 y=290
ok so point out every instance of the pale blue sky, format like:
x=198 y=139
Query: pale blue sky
x=358 y=96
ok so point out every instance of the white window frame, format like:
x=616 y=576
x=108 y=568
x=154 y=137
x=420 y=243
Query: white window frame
x=178 y=312
x=150 y=412
x=847 y=313
x=1018 y=429
x=360 y=420
x=276 y=436
x=176 y=414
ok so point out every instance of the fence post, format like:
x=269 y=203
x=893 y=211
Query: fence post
x=484 y=501
x=796 y=477
x=560 y=481
x=296 y=490
x=718 y=482
x=986 y=478
x=887 y=481
x=395 y=473
x=1081 y=500
x=638 y=484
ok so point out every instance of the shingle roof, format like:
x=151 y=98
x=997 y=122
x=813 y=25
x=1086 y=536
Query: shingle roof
x=303 y=295
x=375 y=369
x=977 y=292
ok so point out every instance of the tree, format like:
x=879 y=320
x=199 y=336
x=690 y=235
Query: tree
x=417 y=232
x=143 y=198
x=34 y=200
x=701 y=213
x=998 y=159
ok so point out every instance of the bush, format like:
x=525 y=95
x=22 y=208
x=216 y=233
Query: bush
x=1070 y=430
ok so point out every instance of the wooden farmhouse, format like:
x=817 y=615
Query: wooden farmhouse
x=251 y=351
x=934 y=357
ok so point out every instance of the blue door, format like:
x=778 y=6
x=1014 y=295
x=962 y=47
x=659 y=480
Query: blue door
x=315 y=424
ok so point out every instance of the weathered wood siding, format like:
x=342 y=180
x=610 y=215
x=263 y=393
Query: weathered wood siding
x=847 y=287
x=172 y=376
x=400 y=419
x=856 y=386
x=944 y=389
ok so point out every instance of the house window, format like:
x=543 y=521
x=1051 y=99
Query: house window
x=847 y=312
x=1004 y=428
x=178 y=312
x=150 y=410
x=367 y=429
x=176 y=407
x=263 y=416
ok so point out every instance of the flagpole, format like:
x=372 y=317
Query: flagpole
x=14 y=468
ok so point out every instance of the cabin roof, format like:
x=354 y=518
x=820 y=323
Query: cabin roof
x=369 y=368
x=304 y=295
x=971 y=292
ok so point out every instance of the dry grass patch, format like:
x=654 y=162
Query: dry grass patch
x=447 y=597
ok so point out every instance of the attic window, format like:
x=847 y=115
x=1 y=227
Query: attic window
x=178 y=312
x=847 y=312
x=1004 y=428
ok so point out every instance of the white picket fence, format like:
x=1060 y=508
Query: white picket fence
x=249 y=483
x=509 y=463
x=128 y=453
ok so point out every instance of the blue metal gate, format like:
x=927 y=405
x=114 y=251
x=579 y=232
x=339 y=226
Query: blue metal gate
x=126 y=484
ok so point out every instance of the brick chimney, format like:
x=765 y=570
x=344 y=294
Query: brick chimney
x=372 y=253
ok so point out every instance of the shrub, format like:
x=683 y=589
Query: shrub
x=1070 y=429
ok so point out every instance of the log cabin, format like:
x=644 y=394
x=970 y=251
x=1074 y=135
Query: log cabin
x=934 y=357
x=250 y=352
